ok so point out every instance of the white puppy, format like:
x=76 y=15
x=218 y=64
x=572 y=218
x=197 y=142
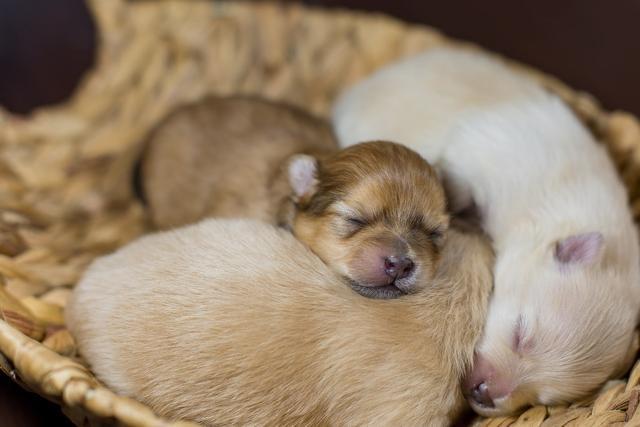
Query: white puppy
x=567 y=280
x=237 y=323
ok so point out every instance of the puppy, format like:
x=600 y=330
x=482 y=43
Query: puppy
x=226 y=157
x=235 y=322
x=567 y=281
x=374 y=212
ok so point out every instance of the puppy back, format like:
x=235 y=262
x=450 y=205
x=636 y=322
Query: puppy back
x=235 y=322
x=223 y=157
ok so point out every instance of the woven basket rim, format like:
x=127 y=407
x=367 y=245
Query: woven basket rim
x=69 y=383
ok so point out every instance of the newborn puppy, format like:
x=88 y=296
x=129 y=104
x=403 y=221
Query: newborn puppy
x=235 y=322
x=226 y=157
x=374 y=212
x=567 y=282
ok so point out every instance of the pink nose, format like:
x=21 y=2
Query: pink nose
x=480 y=395
x=398 y=267
x=382 y=264
x=484 y=384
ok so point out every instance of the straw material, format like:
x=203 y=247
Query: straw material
x=64 y=172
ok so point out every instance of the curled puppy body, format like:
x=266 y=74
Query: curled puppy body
x=374 y=212
x=234 y=322
x=567 y=280
x=226 y=157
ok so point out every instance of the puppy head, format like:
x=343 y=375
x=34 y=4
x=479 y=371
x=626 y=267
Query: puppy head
x=561 y=323
x=375 y=212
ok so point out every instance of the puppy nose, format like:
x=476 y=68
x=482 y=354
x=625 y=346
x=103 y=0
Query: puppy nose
x=398 y=267
x=480 y=395
x=484 y=385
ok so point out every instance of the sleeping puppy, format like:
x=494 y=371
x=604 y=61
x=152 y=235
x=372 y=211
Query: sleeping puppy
x=235 y=322
x=567 y=276
x=375 y=212
x=226 y=157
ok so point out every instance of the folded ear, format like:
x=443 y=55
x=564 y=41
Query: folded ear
x=303 y=177
x=582 y=249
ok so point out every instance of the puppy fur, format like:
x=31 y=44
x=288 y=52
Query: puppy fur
x=567 y=276
x=373 y=202
x=226 y=157
x=375 y=212
x=234 y=322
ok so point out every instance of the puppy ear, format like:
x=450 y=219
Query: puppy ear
x=303 y=177
x=582 y=249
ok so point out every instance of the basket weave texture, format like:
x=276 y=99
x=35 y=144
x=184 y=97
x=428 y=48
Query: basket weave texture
x=65 y=193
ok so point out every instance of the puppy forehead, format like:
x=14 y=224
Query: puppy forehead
x=398 y=198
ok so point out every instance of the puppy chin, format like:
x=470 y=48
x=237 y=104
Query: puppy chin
x=503 y=406
x=393 y=290
x=378 y=292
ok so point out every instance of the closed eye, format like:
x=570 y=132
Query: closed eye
x=517 y=336
x=434 y=233
x=521 y=343
x=356 y=222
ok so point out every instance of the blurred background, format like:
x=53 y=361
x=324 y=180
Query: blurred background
x=46 y=46
x=594 y=45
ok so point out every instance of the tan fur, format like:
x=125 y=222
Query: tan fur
x=236 y=322
x=224 y=157
x=392 y=191
x=240 y=157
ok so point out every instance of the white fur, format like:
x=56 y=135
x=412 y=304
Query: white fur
x=537 y=176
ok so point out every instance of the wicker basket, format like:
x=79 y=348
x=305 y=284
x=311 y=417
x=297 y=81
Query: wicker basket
x=64 y=172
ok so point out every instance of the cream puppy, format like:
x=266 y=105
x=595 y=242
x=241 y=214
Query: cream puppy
x=567 y=282
x=233 y=322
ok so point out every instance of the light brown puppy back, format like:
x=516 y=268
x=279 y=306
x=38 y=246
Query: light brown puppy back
x=223 y=157
x=236 y=322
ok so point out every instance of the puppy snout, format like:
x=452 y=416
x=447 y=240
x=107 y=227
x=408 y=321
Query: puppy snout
x=383 y=263
x=484 y=385
x=398 y=267
x=480 y=395
x=383 y=270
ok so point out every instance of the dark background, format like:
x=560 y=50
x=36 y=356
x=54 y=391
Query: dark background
x=593 y=45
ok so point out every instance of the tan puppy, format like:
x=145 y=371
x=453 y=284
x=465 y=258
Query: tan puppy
x=226 y=157
x=374 y=212
x=233 y=322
